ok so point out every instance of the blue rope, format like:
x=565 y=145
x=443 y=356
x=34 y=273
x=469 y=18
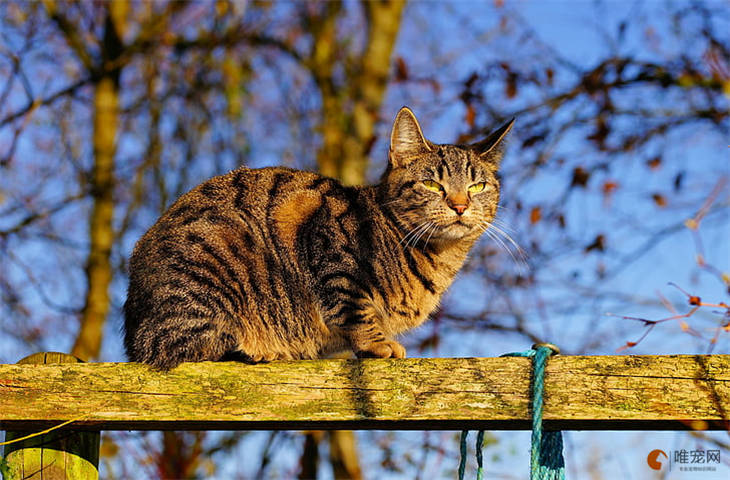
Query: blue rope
x=462 y=462
x=546 y=455
x=480 y=462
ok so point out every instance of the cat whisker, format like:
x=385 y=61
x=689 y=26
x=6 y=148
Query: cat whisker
x=417 y=233
x=420 y=234
x=414 y=231
x=495 y=232
x=491 y=234
x=410 y=232
x=503 y=245
x=502 y=224
x=435 y=227
x=509 y=238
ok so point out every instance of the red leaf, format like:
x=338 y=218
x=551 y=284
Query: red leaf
x=550 y=74
x=654 y=163
x=627 y=346
x=511 y=87
x=580 y=177
x=401 y=70
x=470 y=115
x=659 y=200
x=599 y=243
x=535 y=215
x=608 y=187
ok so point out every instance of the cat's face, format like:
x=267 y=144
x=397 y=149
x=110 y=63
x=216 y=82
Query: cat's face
x=441 y=192
x=451 y=193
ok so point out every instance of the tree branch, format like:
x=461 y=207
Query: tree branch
x=45 y=101
x=70 y=32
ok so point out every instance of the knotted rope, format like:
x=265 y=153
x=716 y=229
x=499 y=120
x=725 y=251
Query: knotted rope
x=546 y=455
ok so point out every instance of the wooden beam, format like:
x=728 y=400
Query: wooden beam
x=60 y=454
x=582 y=392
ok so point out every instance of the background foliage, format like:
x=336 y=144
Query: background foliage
x=615 y=179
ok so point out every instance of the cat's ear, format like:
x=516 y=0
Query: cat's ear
x=491 y=148
x=406 y=138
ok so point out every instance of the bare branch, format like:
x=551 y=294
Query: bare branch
x=31 y=106
x=71 y=33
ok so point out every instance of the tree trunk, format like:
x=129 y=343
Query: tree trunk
x=98 y=266
x=349 y=113
x=101 y=233
x=343 y=455
x=368 y=87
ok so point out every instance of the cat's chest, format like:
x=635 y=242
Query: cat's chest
x=419 y=295
x=423 y=306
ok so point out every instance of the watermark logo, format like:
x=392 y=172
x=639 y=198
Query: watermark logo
x=653 y=459
x=685 y=460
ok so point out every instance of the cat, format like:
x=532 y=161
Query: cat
x=281 y=264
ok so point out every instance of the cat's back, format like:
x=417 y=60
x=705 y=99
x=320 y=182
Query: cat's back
x=244 y=212
x=245 y=190
x=238 y=201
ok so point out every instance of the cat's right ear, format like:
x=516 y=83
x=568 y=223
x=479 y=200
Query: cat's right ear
x=406 y=139
x=492 y=147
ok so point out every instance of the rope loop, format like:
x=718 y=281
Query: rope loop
x=546 y=453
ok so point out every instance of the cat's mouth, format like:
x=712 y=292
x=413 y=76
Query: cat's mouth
x=457 y=228
x=461 y=222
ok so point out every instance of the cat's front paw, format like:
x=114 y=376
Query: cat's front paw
x=384 y=349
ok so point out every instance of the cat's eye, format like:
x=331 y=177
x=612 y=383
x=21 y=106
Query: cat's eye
x=477 y=187
x=431 y=185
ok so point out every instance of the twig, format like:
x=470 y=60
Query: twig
x=48 y=430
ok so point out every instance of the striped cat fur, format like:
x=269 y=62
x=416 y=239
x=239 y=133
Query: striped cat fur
x=275 y=263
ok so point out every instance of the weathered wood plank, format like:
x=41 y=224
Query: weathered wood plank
x=61 y=454
x=582 y=392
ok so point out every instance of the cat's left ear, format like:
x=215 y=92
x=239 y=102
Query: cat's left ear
x=491 y=148
x=406 y=139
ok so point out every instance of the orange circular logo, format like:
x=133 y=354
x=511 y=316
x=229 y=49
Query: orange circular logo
x=653 y=459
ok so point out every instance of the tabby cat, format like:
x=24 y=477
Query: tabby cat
x=275 y=263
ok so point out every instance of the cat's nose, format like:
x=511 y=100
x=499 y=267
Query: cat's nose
x=458 y=203
x=459 y=208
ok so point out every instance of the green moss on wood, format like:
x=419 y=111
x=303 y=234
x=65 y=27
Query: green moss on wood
x=581 y=392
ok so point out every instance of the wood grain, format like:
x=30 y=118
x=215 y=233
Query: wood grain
x=58 y=455
x=582 y=392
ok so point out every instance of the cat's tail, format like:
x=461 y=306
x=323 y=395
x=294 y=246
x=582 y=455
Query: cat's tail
x=165 y=345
